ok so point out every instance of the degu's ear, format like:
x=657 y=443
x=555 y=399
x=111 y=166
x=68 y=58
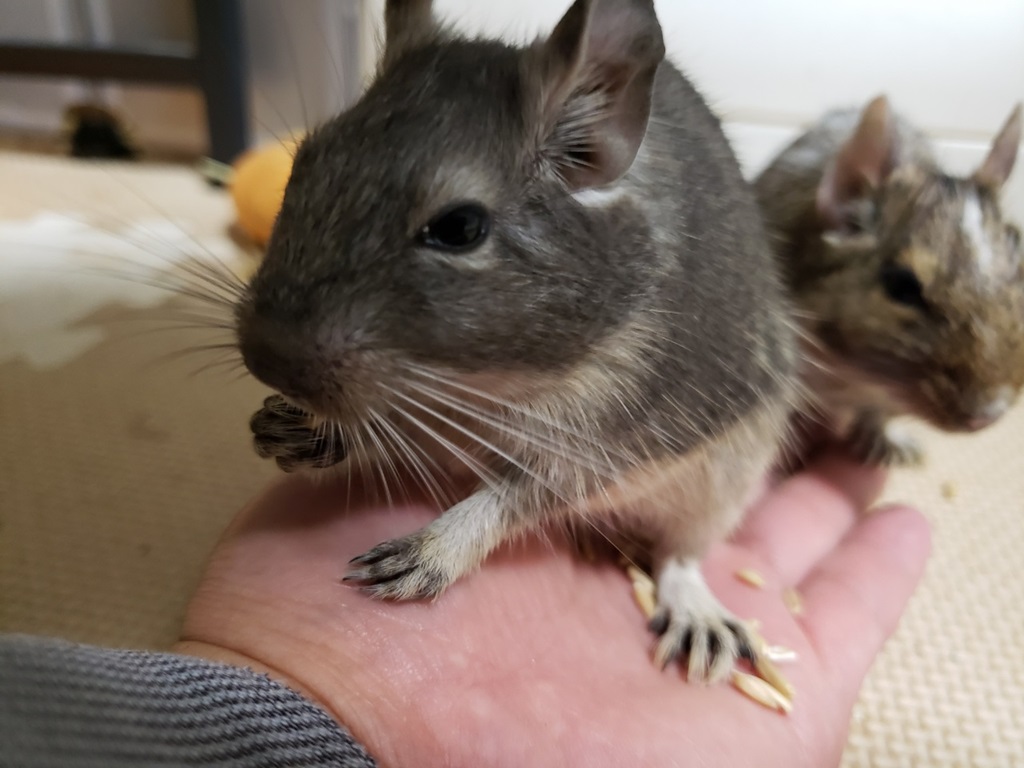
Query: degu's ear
x=1002 y=156
x=407 y=24
x=863 y=162
x=591 y=86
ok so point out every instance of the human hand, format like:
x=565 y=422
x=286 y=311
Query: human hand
x=543 y=659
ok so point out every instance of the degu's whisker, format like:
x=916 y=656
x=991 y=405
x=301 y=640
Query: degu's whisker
x=485 y=473
x=570 y=505
x=168 y=282
x=362 y=458
x=230 y=365
x=176 y=327
x=392 y=452
x=477 y=438
x=406 y=449
x=233 y=286
x=228 y=278
x=187 y=313
x=186 y=290
x=203 y=271
x=386 y=444
x=385 y=462
x=531 y=438
x=294 y=140
x=199 y=315
x=338 y=433
x=178 y=354
x=199 y=274
x=377 y=470
x=424 y=455
x=324 y=429
x=514 y=407
x=132 y=271
x=152 y=245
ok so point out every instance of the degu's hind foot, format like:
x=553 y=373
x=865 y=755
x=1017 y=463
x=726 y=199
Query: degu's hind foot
x=693 y=625
x=285 y=433
x=876 y=442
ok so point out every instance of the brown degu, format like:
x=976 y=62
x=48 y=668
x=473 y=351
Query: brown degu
x=908 y=280
x=540 y=266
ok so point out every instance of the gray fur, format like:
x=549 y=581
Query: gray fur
x=643 y=331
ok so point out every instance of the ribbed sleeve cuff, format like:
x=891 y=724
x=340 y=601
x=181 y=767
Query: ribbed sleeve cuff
x=76 y=706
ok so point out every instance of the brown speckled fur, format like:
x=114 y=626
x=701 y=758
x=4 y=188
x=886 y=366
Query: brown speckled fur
x=953 y=354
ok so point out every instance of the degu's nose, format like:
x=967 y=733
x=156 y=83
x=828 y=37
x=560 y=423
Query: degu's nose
x=992 y=410
x=277 y=359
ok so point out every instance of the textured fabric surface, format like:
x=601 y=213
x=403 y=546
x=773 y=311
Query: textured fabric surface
x=949 y=688
x=118 y=470
x=71 y=706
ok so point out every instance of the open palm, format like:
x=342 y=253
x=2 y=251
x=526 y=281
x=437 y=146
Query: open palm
x=542 y=659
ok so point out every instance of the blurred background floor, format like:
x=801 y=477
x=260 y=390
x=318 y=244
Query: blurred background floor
x=119 y=468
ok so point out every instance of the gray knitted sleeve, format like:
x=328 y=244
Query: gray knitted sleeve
x=77 y=706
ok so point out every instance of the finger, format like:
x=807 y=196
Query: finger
x=854 y=599
x=804 y=517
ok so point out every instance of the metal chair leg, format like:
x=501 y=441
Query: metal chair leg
x=223 y=76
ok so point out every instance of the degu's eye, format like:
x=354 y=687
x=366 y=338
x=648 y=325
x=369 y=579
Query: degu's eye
x=459 y=228
x=902 y=286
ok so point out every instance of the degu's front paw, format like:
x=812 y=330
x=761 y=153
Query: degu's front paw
x=285 y=433
x=403 y=569
x=693 y=626
x=885 y=445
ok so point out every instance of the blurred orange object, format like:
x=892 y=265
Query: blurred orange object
x=258 y=180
